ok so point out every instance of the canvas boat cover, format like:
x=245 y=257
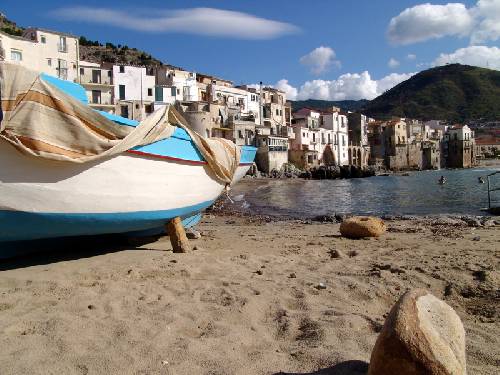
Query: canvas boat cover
x=42 y=121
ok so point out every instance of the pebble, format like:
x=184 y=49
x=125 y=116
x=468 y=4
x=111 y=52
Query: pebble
x=321 y=286
x=335 y=254
x=259 y=272
x=292 y=275
x=352 y=253
x=477 y=238
x=193 y=234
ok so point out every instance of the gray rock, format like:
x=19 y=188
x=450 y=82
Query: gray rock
x=448 y=221
x=472 y=221
x=489 y=223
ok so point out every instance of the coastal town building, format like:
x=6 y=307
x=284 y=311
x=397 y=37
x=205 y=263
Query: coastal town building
x=99 y=86
x=359 y=148
x=134 y=91
x=460 y=147
x=42 y=50
x=271 y=132
x=337 y=122
x=306 y=149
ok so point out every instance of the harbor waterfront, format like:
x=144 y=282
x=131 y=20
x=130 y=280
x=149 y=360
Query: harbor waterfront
x=417 y=193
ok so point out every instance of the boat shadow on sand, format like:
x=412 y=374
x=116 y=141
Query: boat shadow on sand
x=41 y=252
x=354 y=367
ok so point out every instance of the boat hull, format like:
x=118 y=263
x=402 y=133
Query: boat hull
x=127 y=193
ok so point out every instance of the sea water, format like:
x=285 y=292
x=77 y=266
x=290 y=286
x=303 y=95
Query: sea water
x=416 y=194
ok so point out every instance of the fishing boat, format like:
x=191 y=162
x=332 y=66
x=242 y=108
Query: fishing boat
x=139 y=189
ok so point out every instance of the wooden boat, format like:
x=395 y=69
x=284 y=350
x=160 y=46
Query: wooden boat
x=138 y=190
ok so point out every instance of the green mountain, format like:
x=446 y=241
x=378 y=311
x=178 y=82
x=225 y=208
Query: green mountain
x=452 y=92
x=346 y=105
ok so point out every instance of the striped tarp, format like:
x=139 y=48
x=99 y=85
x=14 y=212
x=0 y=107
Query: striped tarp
x=42 y=121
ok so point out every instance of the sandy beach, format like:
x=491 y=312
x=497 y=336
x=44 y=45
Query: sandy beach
x=248 y=300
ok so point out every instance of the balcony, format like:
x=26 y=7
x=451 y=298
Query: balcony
x=62 y=47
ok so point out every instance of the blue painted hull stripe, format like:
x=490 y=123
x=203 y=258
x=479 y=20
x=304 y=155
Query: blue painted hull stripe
x=18 y=226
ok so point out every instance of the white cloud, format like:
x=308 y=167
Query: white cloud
x=200 y=21
x=352 y=86
x=488 y=14
x=320 y=59
x=393 y=63
x=486 y=57
x=428 y=21
x=388 y=82
x=290 y=91
x=411 y=56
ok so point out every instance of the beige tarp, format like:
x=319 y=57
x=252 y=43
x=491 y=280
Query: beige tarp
x=41 y=120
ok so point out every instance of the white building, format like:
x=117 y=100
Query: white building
x=181 y=85
x=134 y=91
x=337 y=123
x=98 y=84
x=46 y=51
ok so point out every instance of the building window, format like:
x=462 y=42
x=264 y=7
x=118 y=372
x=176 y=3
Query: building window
x=16 y=55
x=49 y=62
x=178 y=91
x=121 y=89
x=62 y=46
x=43 y=39
x=173 y=91
x=96 y=96
x=82 y=71
x=150 y=92
x=96 y=76
x=122 y=69
x=149 y=108
x=124 y=111
x=240 y=134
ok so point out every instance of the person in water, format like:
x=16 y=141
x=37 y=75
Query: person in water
x=480 y=180
x=442 y=180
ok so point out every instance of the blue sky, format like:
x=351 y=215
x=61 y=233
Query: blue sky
x=325 y=49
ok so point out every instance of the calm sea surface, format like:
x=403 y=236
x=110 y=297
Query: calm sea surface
x=417 y=194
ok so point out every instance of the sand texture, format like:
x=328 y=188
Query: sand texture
x=255 y=297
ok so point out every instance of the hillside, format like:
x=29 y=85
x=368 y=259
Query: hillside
x=9 y=27
x=453 y=92
x=96 y=52
x=346 y=105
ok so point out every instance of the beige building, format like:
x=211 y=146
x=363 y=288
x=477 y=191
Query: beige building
x=46 y=51
x=98 y=84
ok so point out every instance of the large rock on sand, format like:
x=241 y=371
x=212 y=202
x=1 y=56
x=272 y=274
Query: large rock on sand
x=421 y=335
x=362 y=226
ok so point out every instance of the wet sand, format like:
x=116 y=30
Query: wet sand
x=247 y=301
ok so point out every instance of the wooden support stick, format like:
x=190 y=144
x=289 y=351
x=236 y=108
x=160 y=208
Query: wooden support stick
x=177 y=235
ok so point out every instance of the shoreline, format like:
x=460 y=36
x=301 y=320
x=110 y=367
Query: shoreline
x=246 y=301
